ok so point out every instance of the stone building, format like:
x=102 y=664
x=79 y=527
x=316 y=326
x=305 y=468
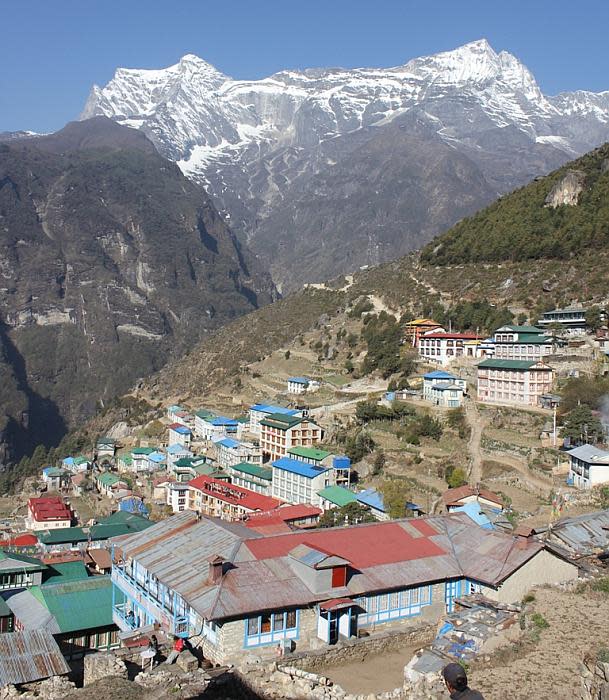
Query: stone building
x=235 y=590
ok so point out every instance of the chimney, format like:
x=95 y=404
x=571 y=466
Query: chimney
x=216 y=570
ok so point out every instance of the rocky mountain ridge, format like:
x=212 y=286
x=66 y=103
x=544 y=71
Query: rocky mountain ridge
x=111 y=262
x=324 y=170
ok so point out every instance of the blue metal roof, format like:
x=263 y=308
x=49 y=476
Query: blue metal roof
x=177 y=449
x=223 y=420
x=228 y=442
x=439 y=374
x=310 y=471
x=156 y=457
x=474 y=512
x=371 y=498
x=298 y=380
x=181 y=430
x=269 y=408
x=68 y=460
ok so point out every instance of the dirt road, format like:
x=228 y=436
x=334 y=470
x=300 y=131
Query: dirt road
x=476 y=424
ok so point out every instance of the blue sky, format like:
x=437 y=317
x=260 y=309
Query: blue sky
x=52 y=51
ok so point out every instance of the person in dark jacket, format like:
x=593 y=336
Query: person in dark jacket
x=456 y=682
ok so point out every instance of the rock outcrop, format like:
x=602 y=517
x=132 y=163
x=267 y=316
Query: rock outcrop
x=567 y=191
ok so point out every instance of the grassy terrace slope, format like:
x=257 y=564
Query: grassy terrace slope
x=521 y=227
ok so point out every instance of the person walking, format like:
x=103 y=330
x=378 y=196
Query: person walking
x=178 y=647
x=455 y=679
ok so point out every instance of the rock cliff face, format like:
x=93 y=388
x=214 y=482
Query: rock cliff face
x=566 y=192
x=111 y=261
x=324 y=170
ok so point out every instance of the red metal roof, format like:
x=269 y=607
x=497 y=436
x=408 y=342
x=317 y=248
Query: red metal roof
x=451 y=336
x=235 y=495
x=25 y=540
x=337 y=604
x=385 y=543
x=287 y=513
x=49 y=508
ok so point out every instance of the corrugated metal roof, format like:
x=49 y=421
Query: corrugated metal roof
x=78 y=605
x=295 y=466
x=31 y=613
x=29 y=656
x=19 y=562
x=583 y=534
x=590 y=454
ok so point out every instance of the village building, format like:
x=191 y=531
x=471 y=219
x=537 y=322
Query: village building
x=172 y=412
x=442 y=348
x=76 y=609
x=513 y=381
x=280 y=433
x=581 y=536
x=176 y=452
x=243 y=591
x=105 y=447
x=221 y=499
x=19 y=571
x=56 y=479
x=522 y=343
x=285 y=518
x=295 y=481
x=254 y=477
x=76 y=464
x=298 y=385
x=108 y=483
x=178 y=496
x=335 y=497
x=260 y=411
x=48 y=513
x=230 y=451
x=588 y=466
x=571 y=320
x=179 y=434
x=216 y=427
x=441 y=378
x=139 y=459
x=414 y=329
x=462 y=495
x=124 y=462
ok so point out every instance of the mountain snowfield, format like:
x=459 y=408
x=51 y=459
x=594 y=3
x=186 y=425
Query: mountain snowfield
x=303 y=163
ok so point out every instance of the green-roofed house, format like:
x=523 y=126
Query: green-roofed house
x=62 y=539
x=523 y=343
x=77 y=612
x=19 y=571
x=107 y=482
x=335 y=497
x=513 y=381
x=64 y=572
x=311 y=455
x=124 y=462
x=280 y=432
x=251 y=476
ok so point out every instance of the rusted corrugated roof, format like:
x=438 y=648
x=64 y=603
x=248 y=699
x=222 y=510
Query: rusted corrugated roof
x=29 y=656
x=583 y=534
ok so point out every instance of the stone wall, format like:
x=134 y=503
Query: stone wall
x=594 y=679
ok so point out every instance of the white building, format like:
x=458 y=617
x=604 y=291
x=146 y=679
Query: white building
x=229 y=452
x=178 y=496
x=440 y=378
x=254 y=477
x=299 y=482
x=443 y=348
x=179 y=434
x=176 y=452
x=260 y=411
x=571 y=319
x=588 y=466
x=216 y=427
x=298 y=385
x=522 y=343
x=172 y=412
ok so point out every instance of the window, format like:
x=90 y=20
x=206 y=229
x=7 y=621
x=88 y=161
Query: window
x=253 y=626
x=265 y=624
x=278 y=622
x=339 y=576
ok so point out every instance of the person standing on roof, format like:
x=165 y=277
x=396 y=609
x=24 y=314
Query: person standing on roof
x=456 y=683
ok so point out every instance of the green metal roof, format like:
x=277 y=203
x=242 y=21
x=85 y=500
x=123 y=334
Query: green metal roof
x=309 y=453
x=62 y=535
x=56 y=471
x=108 y=479
x=126 y=459
x=5 y=611
x=81 y=460
x=508 y=364
x=119 y=523
x=184 y=462
x=10 y=562
x=338 y=495
x=254 y=470
x=78 y=605
x=66 y=571
x=203 y=413
x=524 y=329
x=142 y=451
x=279 y=420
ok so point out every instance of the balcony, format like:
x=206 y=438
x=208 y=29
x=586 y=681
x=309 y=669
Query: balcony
x=124 y=622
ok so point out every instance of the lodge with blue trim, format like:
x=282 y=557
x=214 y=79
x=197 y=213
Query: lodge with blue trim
x=231 y=589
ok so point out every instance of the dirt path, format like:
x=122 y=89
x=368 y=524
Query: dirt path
x=549 y=671
x=519 y=464
x=476 y=424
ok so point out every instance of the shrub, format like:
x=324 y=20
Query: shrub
x=539 y=621
x=601 y=585
x=528 y=598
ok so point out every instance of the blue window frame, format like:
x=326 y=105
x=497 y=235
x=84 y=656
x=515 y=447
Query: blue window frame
x=385 y=607
x=270 y=628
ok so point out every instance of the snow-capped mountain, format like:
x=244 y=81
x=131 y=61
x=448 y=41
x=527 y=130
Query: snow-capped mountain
x=323 y=170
